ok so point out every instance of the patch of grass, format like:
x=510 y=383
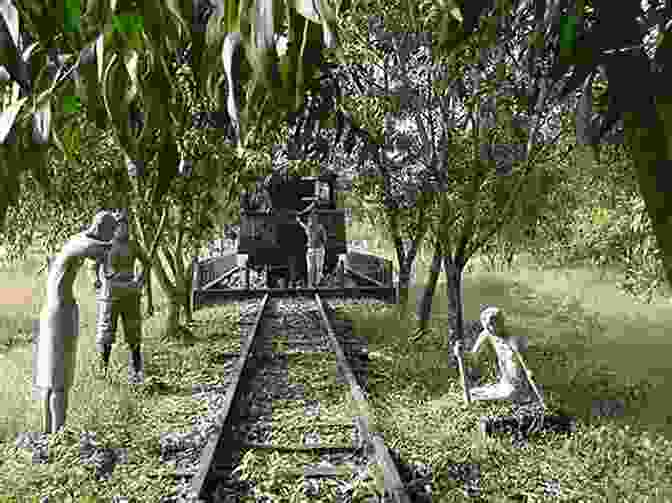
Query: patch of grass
x=587 y=341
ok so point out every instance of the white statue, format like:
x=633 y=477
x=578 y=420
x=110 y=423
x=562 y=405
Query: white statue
x=59 y=320
x=513 y=384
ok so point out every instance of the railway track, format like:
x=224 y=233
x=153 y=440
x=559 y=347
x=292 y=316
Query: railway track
x=291 y=337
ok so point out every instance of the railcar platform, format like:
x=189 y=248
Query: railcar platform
x=214 y=296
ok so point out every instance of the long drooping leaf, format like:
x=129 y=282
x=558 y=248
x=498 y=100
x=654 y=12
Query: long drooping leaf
x=231 y=58
x=10 y=53
x=42 y=123
x=114 y=88
x=8 y=118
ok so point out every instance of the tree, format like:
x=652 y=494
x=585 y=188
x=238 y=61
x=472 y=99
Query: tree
x=393 y=175
x=486 y=169
x=121 y=74
x=585 y=37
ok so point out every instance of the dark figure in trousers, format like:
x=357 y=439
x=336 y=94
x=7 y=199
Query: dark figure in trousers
x=118 y=293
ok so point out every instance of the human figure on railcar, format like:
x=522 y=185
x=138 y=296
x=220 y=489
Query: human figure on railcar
x=317 y=241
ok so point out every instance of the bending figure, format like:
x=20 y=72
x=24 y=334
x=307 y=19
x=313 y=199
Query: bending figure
x=59 y=320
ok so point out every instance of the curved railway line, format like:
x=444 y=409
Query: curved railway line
x=276 y=330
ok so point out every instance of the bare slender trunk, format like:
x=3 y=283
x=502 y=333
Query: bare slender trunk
x=148 y=291
x=454 y=267
x=424 y=310
x=406 y=253
x=404 y=285
x=172 y=325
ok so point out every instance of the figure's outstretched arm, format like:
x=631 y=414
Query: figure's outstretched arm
x=298 y=219
x=89 y=247
x=479 y=342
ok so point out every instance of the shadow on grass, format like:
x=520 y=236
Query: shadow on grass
x=576 y=355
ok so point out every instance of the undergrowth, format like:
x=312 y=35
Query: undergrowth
x=587 y=341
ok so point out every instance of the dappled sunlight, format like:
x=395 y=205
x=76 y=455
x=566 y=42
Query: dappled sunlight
x=586 y=341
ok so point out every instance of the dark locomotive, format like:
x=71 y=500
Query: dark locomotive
x=270 y=235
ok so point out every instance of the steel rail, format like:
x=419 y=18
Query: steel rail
x=371 y=441
x=394 y=487
x=206 y=463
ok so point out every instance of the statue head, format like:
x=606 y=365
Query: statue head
x=103 y=226
x=492 y=320
x=122 y=231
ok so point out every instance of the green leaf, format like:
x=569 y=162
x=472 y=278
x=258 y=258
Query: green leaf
x=9 y=44
x=173 y=7
x=8 y=117
x=231 y=58
x=263 y=25
x=72 y=15
x=42 y=123
x=131 y=63
x=584 y=116
x=100 y=53
x=308 y=9
x=115 y=83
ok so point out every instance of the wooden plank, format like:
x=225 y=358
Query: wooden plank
x=318 y=449
x=293 y=212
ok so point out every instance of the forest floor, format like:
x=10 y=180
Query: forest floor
x=587 y=342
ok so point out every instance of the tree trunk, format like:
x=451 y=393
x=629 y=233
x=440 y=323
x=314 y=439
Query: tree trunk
x=406 y=253
x=424 y=310
x=171 y=327
x=454 y=267
x=404 y=284
x=148 y=291
x=174 y=294
x=651 y=146
x=188 y=286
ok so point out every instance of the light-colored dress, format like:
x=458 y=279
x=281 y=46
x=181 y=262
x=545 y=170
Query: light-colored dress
x=59 y=319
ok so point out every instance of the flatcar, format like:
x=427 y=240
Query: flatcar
x=271 y=237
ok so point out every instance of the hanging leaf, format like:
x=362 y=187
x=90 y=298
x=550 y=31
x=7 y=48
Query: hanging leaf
x=584 y=113
x=185 y=167
x=319 y=12
x=10 y=54
x=8 y=117
x=42 y=123
x=114 y=89
x=136 y=168
x=131 y=64
x=231 y=57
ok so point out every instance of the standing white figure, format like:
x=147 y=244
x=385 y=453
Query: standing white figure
x=317 y=240
x=513 y=384
x=59 y=320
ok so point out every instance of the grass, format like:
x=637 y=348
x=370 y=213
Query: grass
x=587 y=341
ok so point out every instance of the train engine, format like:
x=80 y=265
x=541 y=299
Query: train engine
x=271 y=237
